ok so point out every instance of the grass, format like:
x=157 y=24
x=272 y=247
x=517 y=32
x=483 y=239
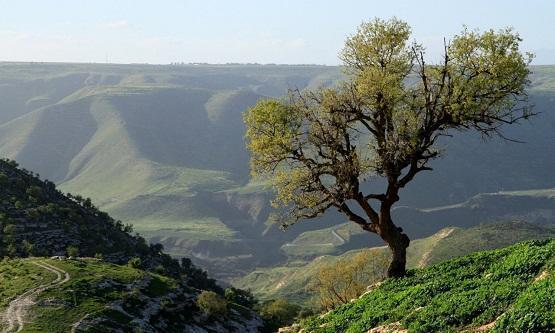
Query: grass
x=92 y=286
x=18 y=275
x=290 y=281
x=197 y=229
x=461 y=293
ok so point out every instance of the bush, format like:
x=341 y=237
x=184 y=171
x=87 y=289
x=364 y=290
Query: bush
x=339 y=282
x=28 y=248
x=159 y=269
x=134 y=262
x=241 y=297
x=278 y=313
x=72 y=251
x=212 y=304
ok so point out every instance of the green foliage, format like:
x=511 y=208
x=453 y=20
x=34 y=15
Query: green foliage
x=72 y=251
x=278 y=313
x=28 y=248
x=317 y=147
x=340 y=282
x=212 y=304
x=242 y=297
x=134 y=262
x=197 y=277
x=461 y=293
x=533 y=310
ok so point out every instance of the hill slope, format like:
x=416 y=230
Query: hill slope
x=293 y=280
x=87 y=295
x=506 y=290
x=112 y=293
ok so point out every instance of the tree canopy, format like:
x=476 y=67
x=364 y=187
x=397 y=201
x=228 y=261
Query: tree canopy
x=384 y=120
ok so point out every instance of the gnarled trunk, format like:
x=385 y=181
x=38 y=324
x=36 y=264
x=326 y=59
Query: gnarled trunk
x=398 y=245
x=397 y=241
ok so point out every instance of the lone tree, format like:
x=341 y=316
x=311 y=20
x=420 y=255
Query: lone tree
x=318 y=147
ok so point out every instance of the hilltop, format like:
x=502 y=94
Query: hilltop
x=505 y=290
x=128 y=283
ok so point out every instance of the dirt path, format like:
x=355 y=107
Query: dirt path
x=15 y=313
x=426 y=257
x=338 y=236
x=76 y=325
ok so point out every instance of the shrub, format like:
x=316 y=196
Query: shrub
x=10 y=229
x=212 y=304
x=159 y=269
x=72 y=251
x=346 y=279
x=278 y=313
x=241 y=297
x=28 y=248
x=134 y=262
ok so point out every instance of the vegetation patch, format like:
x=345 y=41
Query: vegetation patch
x=462 y=293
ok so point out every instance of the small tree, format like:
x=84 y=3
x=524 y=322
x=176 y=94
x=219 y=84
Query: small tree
x=384 y=120
x=72 y=251
x=212 y=304
x=278 y=313
x=134 y=262
x=28 y=247
x=339 y=282
x=241 y=297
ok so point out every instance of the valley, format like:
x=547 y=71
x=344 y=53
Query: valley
x=162 y=148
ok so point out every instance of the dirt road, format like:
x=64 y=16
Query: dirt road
x=14 y=315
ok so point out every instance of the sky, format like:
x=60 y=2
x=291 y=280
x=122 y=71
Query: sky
x=246 y=31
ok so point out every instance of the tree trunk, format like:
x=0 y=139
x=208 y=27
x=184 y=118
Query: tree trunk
x=397 y=241
x=398 y=246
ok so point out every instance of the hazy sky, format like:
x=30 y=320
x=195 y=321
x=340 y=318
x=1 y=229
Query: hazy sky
x=272 y=31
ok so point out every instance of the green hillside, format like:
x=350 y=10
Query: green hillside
x=293 y=280
x=128 y=284
x=87 y=295
x=506 y=290
x=162 y=148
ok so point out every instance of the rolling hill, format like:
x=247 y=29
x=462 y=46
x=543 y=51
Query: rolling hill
x=161 y=147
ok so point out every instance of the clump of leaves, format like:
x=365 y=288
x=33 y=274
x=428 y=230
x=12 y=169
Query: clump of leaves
x=212 y=304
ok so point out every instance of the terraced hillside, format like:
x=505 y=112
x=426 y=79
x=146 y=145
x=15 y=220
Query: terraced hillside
x=505 y=290
x=161 y=147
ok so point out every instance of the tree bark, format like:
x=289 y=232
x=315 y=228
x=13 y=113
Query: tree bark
x=397 y=242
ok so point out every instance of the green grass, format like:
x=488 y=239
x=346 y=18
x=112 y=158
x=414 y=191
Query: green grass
x=92 y=286
x=488 y=237
x=190 y=229
x=16 y=276
x=290 y=281
x=461 y=293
